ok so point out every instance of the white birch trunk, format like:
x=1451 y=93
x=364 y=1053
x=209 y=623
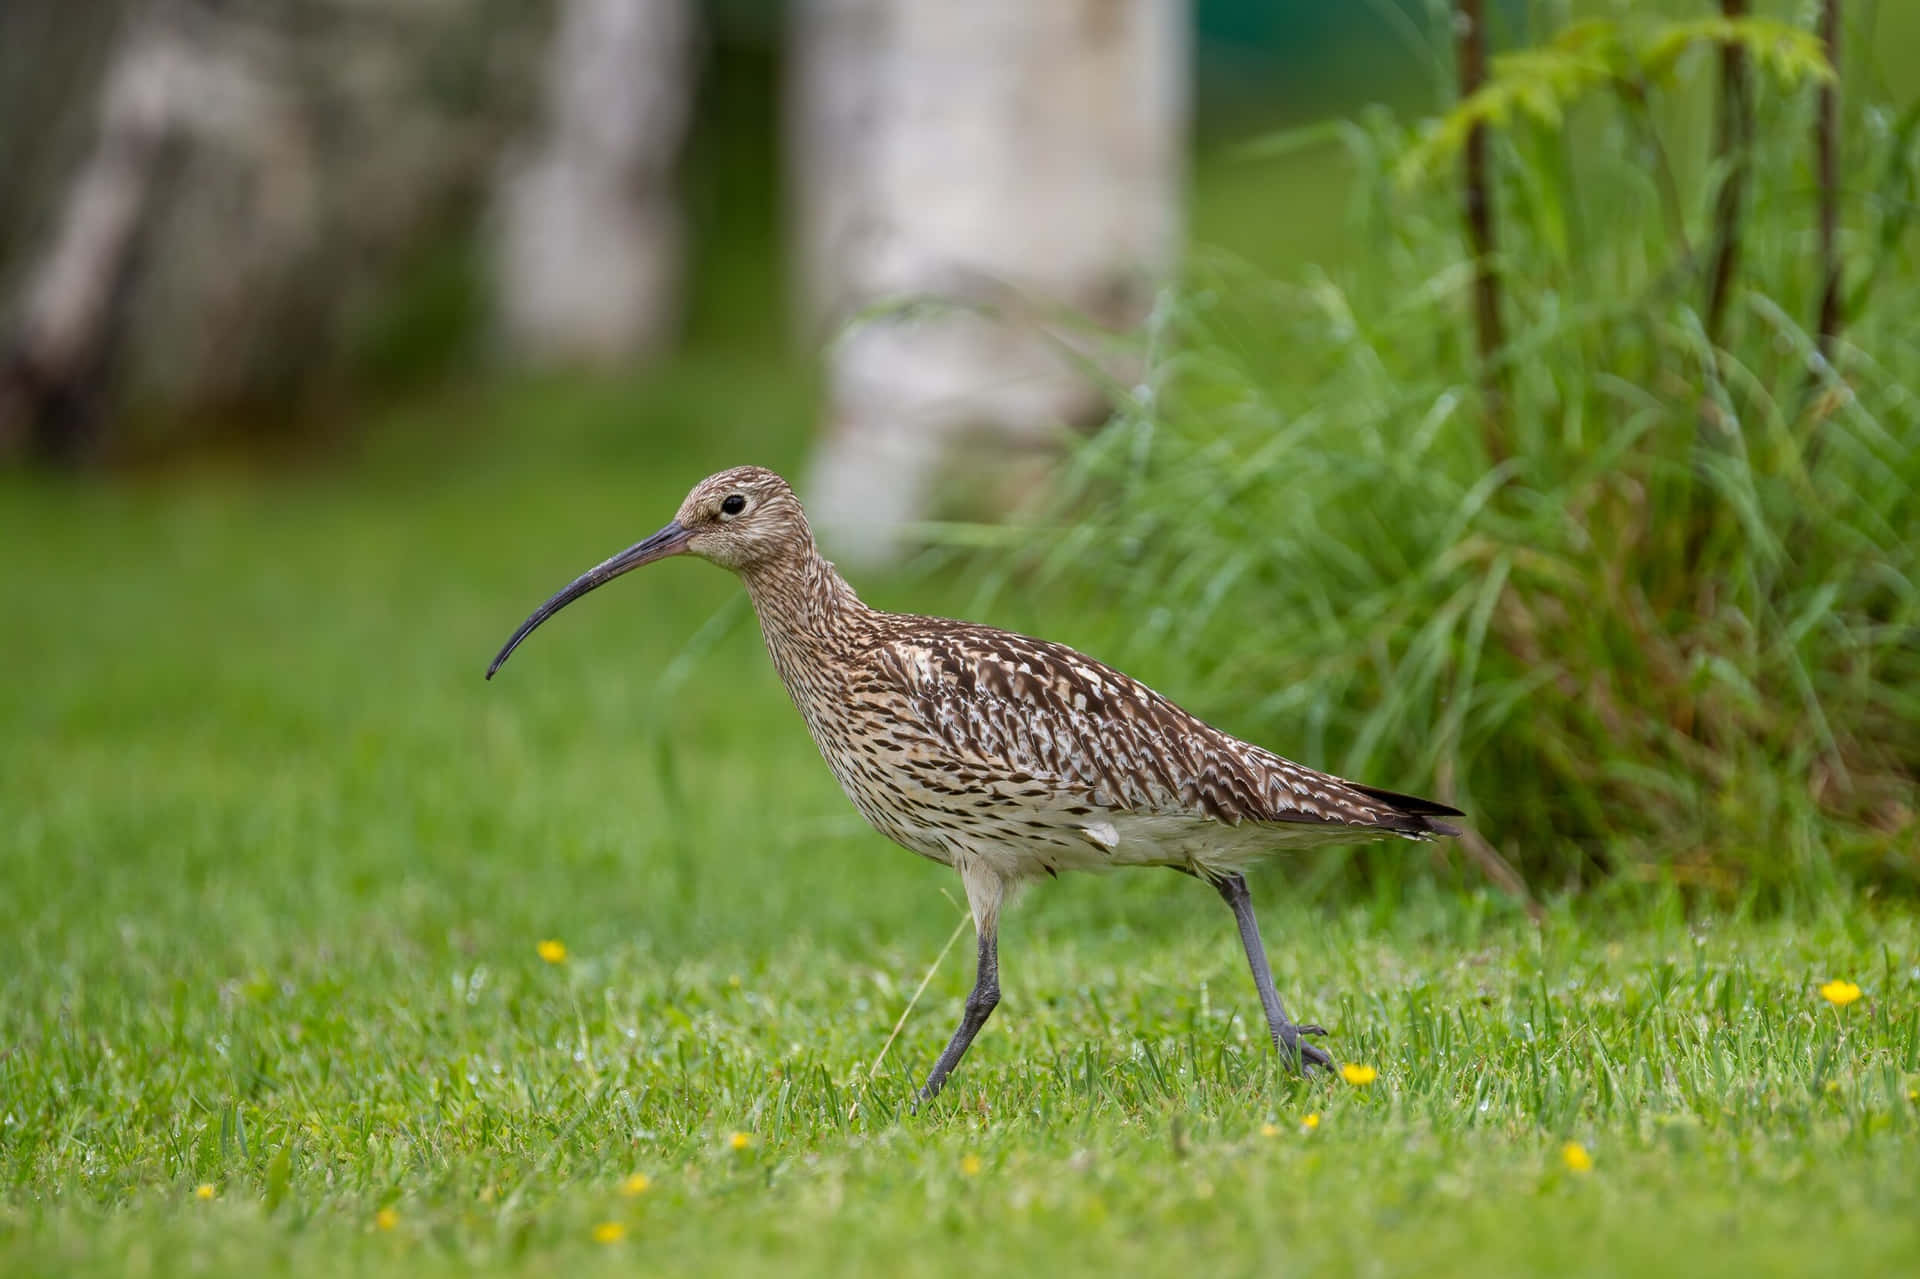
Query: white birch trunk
x=1022 y=156
x=589 y=252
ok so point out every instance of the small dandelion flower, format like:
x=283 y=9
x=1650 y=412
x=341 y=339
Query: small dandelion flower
x=1269 y=1130
x=386 y=1219
x=609 y=1232
x=203 y=1191
x=554 y=952
x=1311 y=1120
x=637 y=1184
x=740 y=1141
x=1575 y=1157
x=970 y=1165
x=1839 y=993
x=1357 y=1075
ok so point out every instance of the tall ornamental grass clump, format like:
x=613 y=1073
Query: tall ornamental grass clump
x=1641 y=591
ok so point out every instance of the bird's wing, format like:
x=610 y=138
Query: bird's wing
x=992 y=707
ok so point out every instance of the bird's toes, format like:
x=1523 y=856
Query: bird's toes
x=1300 y=1054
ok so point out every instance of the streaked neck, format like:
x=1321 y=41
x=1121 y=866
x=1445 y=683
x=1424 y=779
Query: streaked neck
x=800 y=598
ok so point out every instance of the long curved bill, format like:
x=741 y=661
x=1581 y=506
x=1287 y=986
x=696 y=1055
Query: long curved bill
x=671 y=540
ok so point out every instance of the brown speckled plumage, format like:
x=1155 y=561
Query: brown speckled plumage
x=1007 y=757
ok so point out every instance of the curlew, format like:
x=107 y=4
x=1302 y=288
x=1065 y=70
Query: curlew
x=1004 y=757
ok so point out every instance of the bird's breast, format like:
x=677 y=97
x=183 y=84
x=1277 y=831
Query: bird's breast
x=862 y=748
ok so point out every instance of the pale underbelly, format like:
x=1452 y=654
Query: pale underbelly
x=1026 y=841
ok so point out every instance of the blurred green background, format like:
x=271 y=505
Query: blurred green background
x=277 y=860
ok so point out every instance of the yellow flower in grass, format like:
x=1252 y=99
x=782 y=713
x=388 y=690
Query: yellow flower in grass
x=1839 y=993
x=637 y=1184
x=609 y=1232
x=1311 y=1120
x=1357 y=1075
x=386 y=1219
x=1575 y=1157
x=1269 y=1130
x=203 y=1191
x=554 y=952
x=970 y=1165
x=740 y=1141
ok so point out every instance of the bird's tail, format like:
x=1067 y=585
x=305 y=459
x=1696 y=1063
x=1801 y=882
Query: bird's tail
x=1424 y=812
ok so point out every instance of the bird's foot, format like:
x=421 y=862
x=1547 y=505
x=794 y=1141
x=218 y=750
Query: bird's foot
x=1304 y=1056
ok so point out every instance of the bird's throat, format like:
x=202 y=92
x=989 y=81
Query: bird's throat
x=811 y=620
x=802 y=602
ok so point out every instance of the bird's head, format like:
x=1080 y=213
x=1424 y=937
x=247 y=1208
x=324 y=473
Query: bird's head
x=738 y=519
x=742 y=517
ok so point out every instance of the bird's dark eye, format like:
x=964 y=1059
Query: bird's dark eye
x=733 y=505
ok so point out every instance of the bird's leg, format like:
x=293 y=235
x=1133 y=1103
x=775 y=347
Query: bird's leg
x=985 y=891
x=1286 y=1035
x=980 y=1005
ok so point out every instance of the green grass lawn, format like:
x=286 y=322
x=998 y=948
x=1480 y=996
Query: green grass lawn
x=278 y=862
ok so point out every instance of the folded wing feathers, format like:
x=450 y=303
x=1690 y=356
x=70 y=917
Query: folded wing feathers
x=996 y=703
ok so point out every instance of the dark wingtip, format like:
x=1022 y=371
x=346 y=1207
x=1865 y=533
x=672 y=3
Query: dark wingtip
x=1422 y=816
x=1413 y=806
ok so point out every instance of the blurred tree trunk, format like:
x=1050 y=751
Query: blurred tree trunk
x=256 y=181
x=1021 y=161
x=1470 y=28
x=588 y=259
x=58 y=347
x=1733 y=153
x=1827 y=154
